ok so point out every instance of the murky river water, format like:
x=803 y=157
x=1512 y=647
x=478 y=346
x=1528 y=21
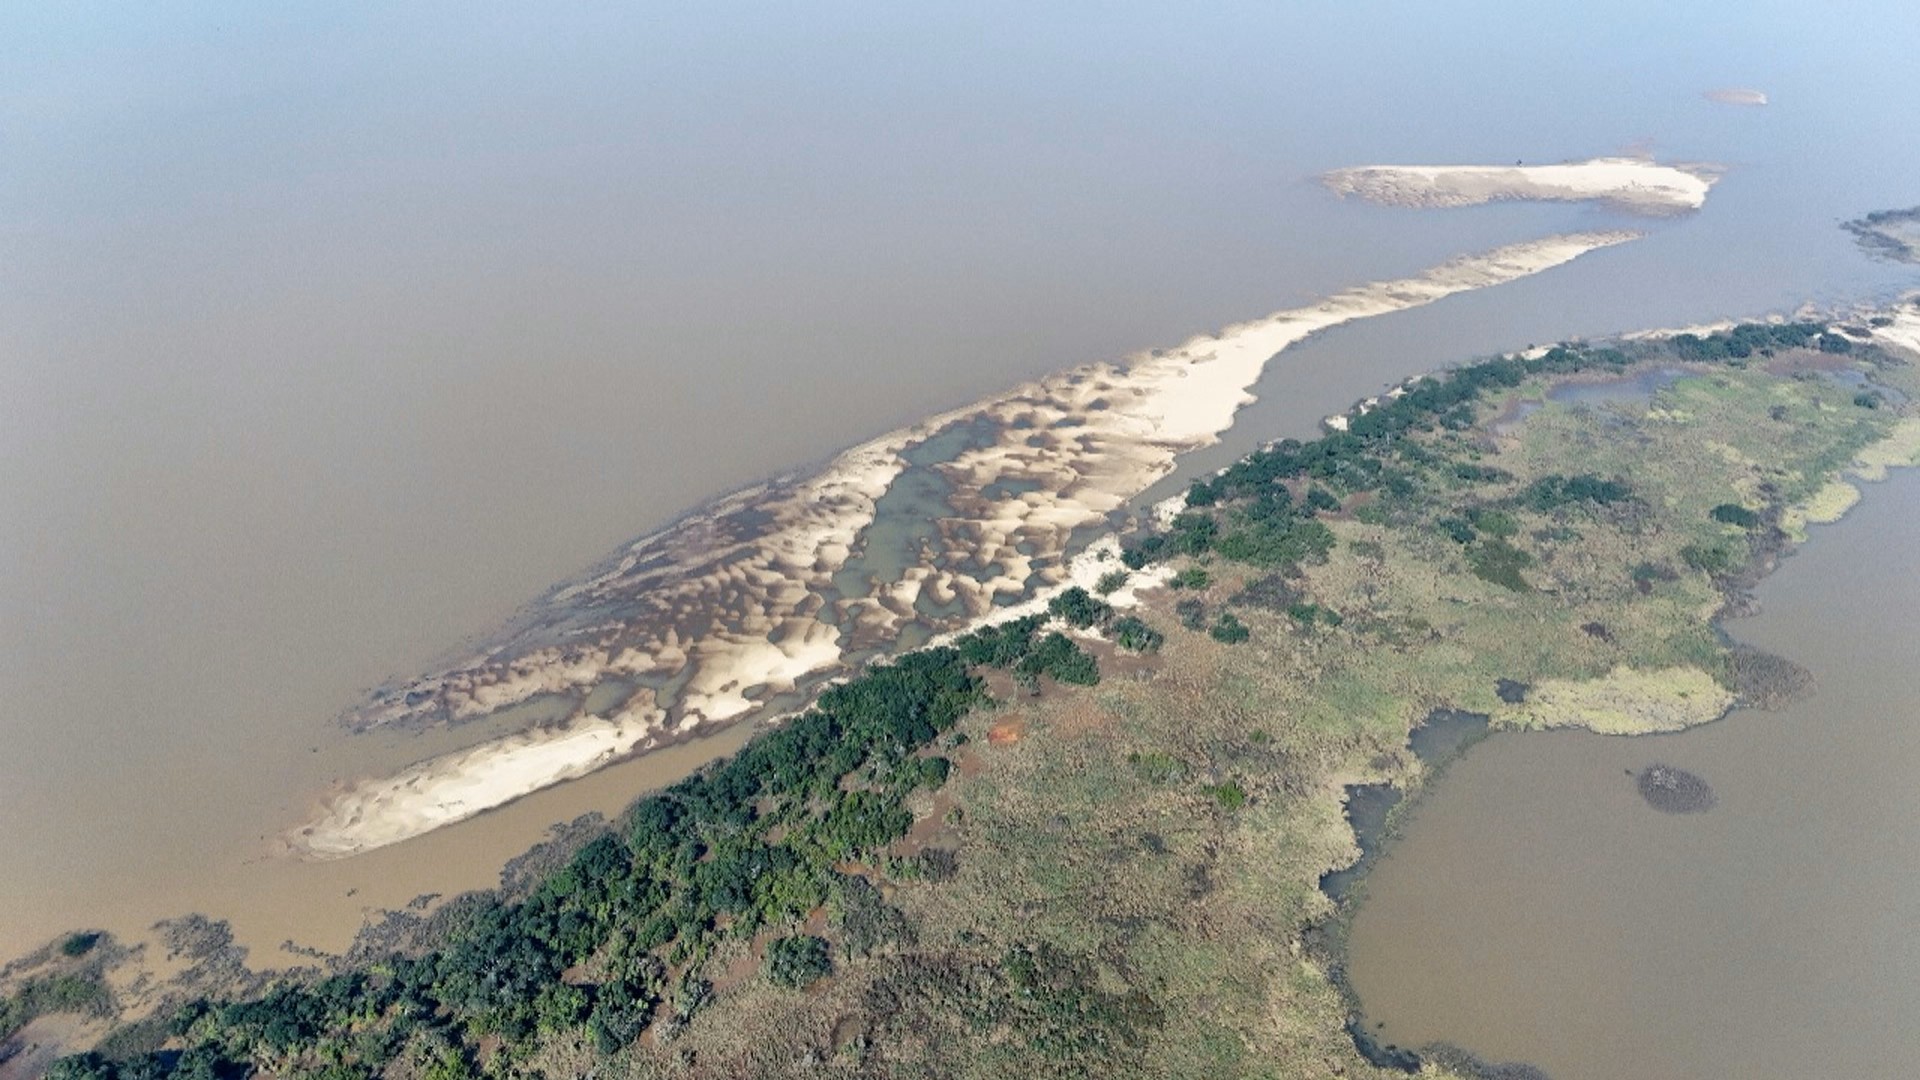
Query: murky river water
x=1537 y=909
x=327 y=337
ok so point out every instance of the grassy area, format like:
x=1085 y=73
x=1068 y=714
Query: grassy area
x=1157 y=841
x=1117 y=876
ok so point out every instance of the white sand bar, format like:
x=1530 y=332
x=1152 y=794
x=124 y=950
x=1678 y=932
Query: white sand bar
x=1635 y=185
x=743 y=596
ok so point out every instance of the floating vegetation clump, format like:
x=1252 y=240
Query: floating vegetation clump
x=1675 y=791
x=1766 y=681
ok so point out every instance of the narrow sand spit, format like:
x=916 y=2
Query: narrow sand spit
x=1634 y=185
x=763 y=592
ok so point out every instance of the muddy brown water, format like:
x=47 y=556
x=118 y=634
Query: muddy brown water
x=1536 y=909
x=328 y=337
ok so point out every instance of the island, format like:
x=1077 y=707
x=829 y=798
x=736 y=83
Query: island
x=1089 y=836
x=1630 y=184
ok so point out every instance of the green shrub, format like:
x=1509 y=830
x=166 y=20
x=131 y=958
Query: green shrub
x=798 y=961
x=1552 y=492
x=1497 y=523
x=1131 y=633
x=1192 y=612
x=1193 y=577
x=1734 y=514
x=1229 y=630
x=1313 y=614
x=1709 y=558
x=1495 y=560
x=1229 y=795
x=1079 y=609
x=1277 y=543
x=1110 y=581
x=1059 y=657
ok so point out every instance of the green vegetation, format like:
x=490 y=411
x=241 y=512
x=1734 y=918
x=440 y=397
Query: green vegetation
x=797 y=962
x=1495 y=523
x=63 y=993
x=1710 y=558
x=1192 y=577
x=1134 y=635
x=1229 y=630
x=1495 y=560
x=1156 y=768
x=1735 y=514
x=1012 y=645
x=1229 y=796
x=1119 y=879
x=750 y=843
x=1311 y=615
x=1058 y=656
x=1553 y=492
x=1077 y=608
x=1191 y=612
x=1110 y=581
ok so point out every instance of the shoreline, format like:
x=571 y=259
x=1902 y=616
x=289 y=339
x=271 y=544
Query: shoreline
x=745 y=596
x=1863 y=434
x=1328 y=939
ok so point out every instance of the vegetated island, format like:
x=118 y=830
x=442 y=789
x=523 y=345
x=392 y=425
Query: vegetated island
x=1674 y=791
x=1086 y=842
x=1634 y=185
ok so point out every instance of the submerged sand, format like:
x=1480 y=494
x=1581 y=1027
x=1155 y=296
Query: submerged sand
x=764 y=593
x=1635 y=185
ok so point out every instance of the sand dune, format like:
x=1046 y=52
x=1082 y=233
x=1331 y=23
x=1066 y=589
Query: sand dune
x=786 y=584
x=1634 y=185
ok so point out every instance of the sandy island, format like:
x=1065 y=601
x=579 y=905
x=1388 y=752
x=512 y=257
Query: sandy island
x=1635 y=185
x=702 y=623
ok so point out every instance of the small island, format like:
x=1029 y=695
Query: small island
x=1674 y=791
x=1633 y=185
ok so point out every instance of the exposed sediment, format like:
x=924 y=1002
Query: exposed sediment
x=784 y=584
x=1893 y=235
x=1635 y=185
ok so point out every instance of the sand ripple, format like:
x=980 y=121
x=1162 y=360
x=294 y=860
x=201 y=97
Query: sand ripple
x=765 y=592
